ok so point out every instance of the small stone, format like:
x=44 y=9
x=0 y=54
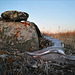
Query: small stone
x=14 y=16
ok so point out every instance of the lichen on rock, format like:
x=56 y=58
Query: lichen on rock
x=14 y=16
x=20 y=35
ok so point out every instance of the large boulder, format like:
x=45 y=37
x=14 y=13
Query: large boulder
x=14 y=16
x=18 y=35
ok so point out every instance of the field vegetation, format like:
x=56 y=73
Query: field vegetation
x=68 y=38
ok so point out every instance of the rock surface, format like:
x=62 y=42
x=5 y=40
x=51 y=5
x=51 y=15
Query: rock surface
x=18 y=35
x=14 y=16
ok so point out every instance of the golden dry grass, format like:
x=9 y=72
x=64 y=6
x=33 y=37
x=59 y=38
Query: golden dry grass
x=66 y=37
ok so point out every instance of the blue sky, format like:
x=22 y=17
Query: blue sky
x=48 y=15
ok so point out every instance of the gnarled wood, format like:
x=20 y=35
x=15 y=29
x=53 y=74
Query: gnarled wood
x=54 y=53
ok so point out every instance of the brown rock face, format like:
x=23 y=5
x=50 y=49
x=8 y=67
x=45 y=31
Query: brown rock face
x=18 y=35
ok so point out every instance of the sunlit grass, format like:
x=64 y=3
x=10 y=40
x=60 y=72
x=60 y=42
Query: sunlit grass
x=68 y=33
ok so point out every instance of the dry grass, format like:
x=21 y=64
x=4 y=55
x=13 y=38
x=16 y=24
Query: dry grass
x=68 y=38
